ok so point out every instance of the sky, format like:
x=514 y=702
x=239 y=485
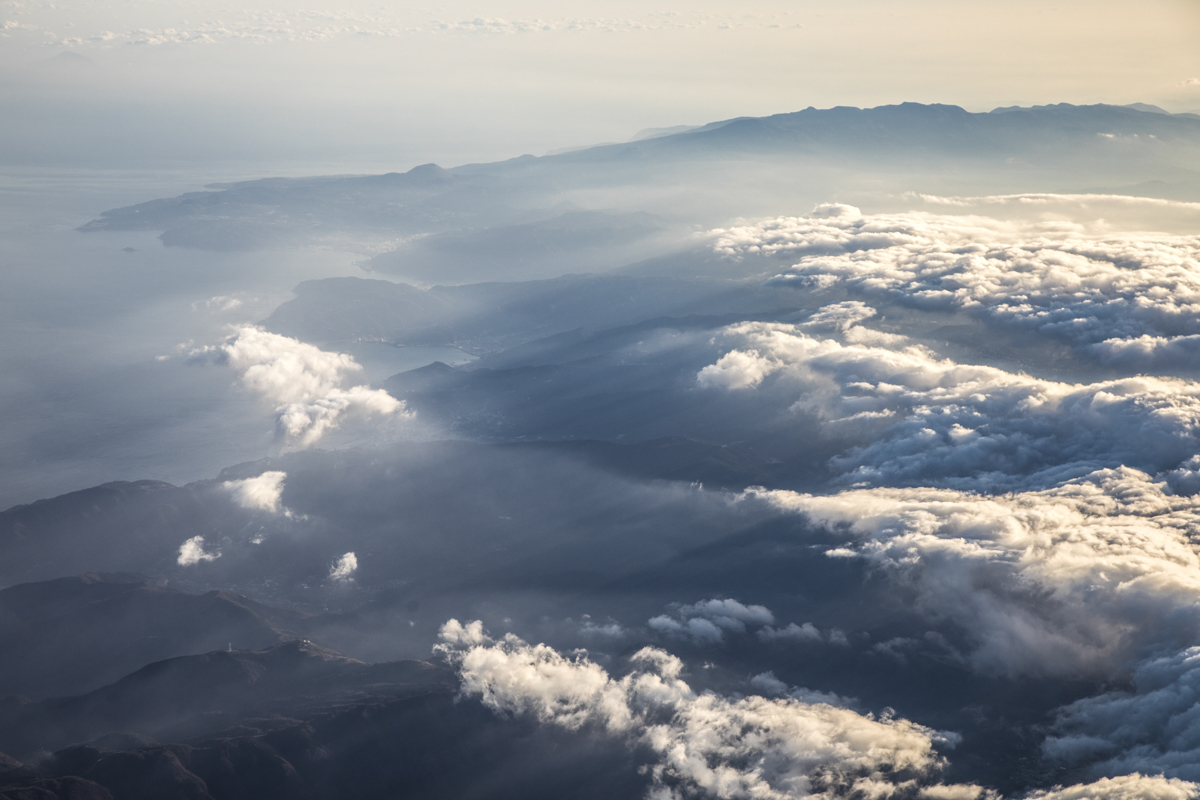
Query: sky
x=357 y=83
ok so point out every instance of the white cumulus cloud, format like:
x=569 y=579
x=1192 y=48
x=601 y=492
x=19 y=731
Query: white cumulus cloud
x=260 y=493
x=839 y=316
x=303 y=382
x=192 y=552
x=344 y=568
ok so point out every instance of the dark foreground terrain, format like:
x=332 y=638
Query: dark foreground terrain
x=292 y=721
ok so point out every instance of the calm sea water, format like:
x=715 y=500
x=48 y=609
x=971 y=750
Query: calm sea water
x=84 y=318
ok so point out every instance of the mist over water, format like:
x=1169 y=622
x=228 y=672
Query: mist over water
x=87 y=316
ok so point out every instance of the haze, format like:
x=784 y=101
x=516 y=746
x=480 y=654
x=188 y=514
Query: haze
x=397 y=85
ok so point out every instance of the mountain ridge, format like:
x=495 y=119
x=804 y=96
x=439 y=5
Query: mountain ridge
x=1016 y=150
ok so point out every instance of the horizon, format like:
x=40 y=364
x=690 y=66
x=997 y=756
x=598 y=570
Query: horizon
x=464 y=82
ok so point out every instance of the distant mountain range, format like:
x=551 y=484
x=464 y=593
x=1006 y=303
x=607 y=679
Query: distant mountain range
x=944 y=130
x=457 y=224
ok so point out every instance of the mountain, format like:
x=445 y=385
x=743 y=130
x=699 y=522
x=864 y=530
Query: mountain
x=29 y=552
x=189 y=695
x=725 y=169
x=943 y=131
x=121 y=526
x=71 y=635
x=296 y=721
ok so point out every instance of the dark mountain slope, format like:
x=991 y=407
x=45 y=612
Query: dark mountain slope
x=428 y=745
x=71 y=635
x=298 y=721
x=189 y=695
x=73 y=533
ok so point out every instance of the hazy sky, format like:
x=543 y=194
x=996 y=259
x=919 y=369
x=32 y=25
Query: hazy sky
x=359 y=82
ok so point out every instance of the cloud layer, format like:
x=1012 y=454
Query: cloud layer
x=1074 y=580
x=1079 y=581
x=1153 y=727
x=1058 y=278
x=914 y=419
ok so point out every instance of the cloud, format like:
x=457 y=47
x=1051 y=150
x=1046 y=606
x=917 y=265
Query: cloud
x=260 y=493
x=1042 y=199
x=265 y=27
x=1052 y=276
x=910 y=418
x=220 y=304
x=609 y=630
x=1125 y=787
x=699 y=630
x=738 y=369
x=1147 y=353
x=1079 y=581
x=1071 y=581
x=957 y=792
x=1154 y=727
x=768 y=685
x=343 y=570
x=806 y=633
x=705 y=744
x=251 y=27
x=1186 y=479
x=1084 y=567
x=303 y=382
x=791 y=743
x=192 y=552
x=707 y=622
x=497 y=26
x=839 y=316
